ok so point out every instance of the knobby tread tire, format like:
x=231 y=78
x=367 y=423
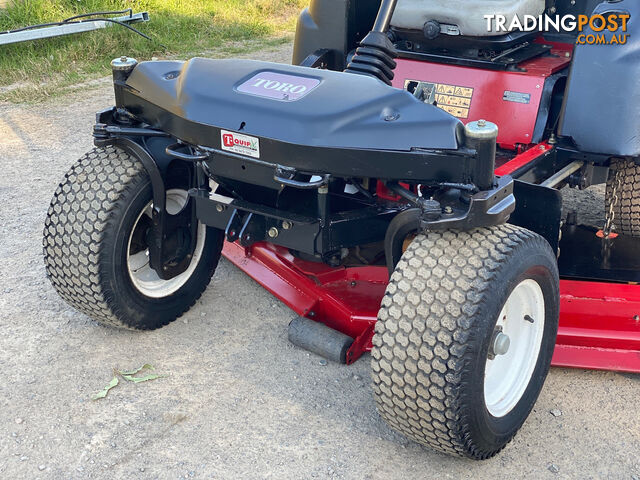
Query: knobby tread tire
x=424 y=337
x=627 y=208
x=86 y=209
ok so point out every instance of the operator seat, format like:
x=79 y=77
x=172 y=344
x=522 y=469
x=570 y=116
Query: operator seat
x=462 y=17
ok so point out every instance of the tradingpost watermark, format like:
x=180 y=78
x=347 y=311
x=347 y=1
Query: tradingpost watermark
x=615 y=22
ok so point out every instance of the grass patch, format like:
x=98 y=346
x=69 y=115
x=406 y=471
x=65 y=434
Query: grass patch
x=178 y=28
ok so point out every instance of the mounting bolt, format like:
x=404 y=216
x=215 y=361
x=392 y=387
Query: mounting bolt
x=273 y=232
x=482 y=123
x=219 y=208
x=287 y=225
x=448 y=210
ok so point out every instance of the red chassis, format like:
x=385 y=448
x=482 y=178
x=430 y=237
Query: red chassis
x=599 y=322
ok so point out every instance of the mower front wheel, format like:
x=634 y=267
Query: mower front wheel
x=96 y=244
x=465 y=336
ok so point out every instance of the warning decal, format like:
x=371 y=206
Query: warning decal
x=453 y=99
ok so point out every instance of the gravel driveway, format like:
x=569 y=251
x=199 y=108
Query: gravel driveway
x=238 y=400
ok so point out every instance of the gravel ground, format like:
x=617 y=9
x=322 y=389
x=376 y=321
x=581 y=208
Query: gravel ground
x=238 y=400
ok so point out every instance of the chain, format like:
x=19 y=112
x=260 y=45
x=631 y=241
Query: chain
x=611 y=215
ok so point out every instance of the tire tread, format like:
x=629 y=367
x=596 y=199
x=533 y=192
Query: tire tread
x=420 y=346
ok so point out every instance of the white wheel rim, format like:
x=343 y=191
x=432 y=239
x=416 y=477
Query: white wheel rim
x=144 y=278
x=506 y=377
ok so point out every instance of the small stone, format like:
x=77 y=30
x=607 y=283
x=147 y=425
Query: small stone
x=357 y=377
x=635 y=477
x=142 y=469
x=555 y=412
x=203 y=314
x=185 y=321
x=24 y=458
x=553 y=468
x=19 y=420
x=41 y=467
x=323 y=362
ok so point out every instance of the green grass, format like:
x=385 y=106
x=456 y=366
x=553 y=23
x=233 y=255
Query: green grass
x=178 y=28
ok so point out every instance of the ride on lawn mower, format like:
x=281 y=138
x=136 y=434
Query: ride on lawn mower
x=398 y=189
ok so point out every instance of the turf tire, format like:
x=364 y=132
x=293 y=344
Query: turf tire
x=434 y=331
x=86 y=237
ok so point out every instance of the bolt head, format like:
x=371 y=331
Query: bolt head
x=219 y=208
x=482 y=123
x=273 y=232
x=286 y=225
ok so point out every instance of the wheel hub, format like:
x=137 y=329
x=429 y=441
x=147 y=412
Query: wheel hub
x=514 y=348
x=500 y=344
x=144 y=278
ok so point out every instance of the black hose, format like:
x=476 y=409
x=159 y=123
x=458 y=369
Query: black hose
x=102 y=14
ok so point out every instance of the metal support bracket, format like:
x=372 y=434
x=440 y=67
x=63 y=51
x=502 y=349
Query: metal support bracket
x=165 y=245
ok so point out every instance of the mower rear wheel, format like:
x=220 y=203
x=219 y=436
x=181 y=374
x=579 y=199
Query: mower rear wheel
x=625 y=177
x=95 y=244
x=465 y=336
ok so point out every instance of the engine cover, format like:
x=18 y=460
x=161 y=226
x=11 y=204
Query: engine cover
x=297 y=105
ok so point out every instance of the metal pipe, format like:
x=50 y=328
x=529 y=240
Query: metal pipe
x=562 y=174
x=383 y=20
x=57 y=29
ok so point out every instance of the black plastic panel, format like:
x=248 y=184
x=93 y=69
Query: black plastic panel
x=601 y=111
x=335 y=25
x=584 y=256
x=343 y=111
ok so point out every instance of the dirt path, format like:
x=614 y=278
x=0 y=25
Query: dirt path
x=239 y=401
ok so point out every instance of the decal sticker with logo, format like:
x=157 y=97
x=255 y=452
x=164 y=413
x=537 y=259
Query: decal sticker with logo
x=239 y=143
x=453 y=99
x=279 y=86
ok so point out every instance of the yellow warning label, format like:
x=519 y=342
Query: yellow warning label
x=454 y=99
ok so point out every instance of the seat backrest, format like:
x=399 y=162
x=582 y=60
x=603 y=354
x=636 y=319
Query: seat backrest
x=466 y=15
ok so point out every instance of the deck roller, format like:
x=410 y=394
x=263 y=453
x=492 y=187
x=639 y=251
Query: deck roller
x=318 y=338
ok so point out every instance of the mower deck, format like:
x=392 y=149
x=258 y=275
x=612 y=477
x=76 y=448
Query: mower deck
x=599 y=322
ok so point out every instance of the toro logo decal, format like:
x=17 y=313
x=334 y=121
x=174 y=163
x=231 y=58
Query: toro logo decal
x=239 y=143
x=279 y=86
